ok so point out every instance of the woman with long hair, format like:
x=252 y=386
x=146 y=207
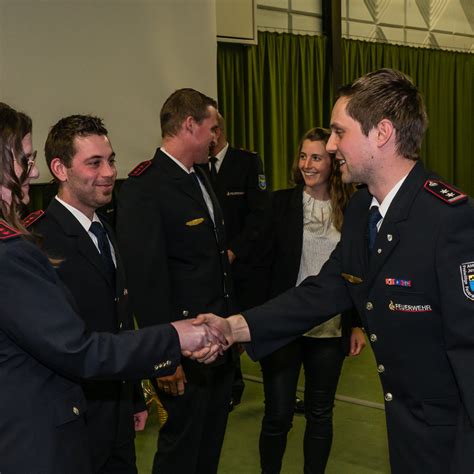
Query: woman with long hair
x=305 y=225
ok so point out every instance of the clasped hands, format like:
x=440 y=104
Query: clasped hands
x=208 y=336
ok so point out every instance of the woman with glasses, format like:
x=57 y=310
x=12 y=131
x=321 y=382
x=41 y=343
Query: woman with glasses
x=305 y=226
x=44 y=347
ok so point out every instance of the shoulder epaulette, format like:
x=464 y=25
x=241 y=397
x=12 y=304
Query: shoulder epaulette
x=140 y=168
x=7 y=232
x=445 y=192
x=30 y=219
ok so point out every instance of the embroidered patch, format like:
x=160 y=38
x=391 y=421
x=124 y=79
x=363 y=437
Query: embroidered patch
x=467 y=279
x=32 y=218
x=7 y=232
x=262 y=182
x=397 y=282
x=444 y=191
x=140 y=168
x=409 y=308
x=194 y=222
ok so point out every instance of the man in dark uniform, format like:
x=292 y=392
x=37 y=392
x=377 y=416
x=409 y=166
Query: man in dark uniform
x=82 y=161
x=406 y=261
x=171 y=233
x=239 y=183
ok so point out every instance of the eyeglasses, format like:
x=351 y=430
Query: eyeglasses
x=31 y=160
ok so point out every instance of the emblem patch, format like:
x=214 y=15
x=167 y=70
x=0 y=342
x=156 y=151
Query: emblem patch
x=467 y=279
x=397 y=282
x=262 y=182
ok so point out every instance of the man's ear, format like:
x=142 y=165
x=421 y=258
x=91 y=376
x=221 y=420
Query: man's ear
x=385 y=131
x=189 y=124
x=59 y=170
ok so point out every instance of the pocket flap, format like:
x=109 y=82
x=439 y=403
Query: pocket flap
x=69 y=407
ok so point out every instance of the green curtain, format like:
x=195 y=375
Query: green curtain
x=271 y=93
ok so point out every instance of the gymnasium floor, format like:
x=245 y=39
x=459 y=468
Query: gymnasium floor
x=359 y=445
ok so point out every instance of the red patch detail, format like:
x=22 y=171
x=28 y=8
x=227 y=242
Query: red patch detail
x=445 y=192
x=140 y=168
x=7 y=232
x=32 y=218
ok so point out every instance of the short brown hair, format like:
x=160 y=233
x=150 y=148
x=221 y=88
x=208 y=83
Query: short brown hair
x=338 y=191
x=60 y=141
x=389 y=94
x=181 y=104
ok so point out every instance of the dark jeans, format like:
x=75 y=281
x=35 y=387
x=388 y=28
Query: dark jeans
x=322 y=361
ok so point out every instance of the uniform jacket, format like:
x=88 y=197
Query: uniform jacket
x=44 y=350
x=415 y=302
x=242 y=194
x=285 y=237
x=103 y=306
x=175 y=256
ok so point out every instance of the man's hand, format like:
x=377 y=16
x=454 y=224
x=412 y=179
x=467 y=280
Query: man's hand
x=358 y=341
x=139 y=420
x=194 y=338
x=173 y=384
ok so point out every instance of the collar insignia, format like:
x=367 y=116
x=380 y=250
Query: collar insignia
x=140 y=168
x=32 y=218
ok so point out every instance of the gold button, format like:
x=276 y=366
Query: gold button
x=369 y=306
x=380 y=369
x=373 y=338
x=388 y=397
x=76 y=411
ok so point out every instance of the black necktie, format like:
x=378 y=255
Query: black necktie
x=104 y=247
x=374 y=217
x=213 y=171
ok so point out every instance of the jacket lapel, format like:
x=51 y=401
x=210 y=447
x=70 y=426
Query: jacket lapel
x=72 y=228
x=399 y=210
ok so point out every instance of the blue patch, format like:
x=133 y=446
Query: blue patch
x=262 y=182
x=467 y=279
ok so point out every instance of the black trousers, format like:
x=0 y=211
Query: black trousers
x=190 y=442
x=322 y=360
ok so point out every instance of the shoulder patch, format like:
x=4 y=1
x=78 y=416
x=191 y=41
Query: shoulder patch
x=140 y=168
x=7 y=232
x=445 y=192
x=32 y=218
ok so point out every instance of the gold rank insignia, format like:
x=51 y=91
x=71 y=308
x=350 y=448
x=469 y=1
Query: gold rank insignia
x=194 y=222
x=351 y=278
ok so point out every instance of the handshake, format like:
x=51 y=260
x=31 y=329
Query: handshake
x=208 y=336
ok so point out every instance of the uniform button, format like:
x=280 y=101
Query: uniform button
x=157 y=367
x=185 y=313
x=373 y=338
x=76 y=411
x=380 y=369
x=388 y=397
x=389 y=237
x=120 y=325
x=225 y=274
x=369 y=306
x=124 y=381
x=379 y=251
x=222 y=252
x=167 y=363
x=125 y=292
x=226 y=295
x=116 y=299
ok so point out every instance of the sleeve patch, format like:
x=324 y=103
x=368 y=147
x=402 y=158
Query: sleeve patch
x=467 y=279
x=32 y=218
x=7 y=232
x=445 y=192
x=140 y=168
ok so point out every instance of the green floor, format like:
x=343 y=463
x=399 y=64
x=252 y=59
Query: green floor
x=359 y=446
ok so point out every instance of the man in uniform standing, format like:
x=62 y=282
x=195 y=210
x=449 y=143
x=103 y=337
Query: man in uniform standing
x=82 y=161
x=239 y=183
x=171 y=232
x=406 y=261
